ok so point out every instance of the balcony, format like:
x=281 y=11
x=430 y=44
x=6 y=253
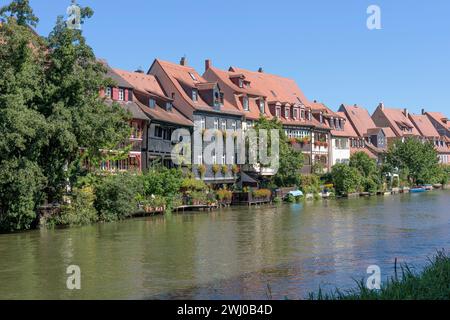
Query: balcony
x=159 y=146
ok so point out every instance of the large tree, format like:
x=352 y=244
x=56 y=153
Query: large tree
x=419 y=159
x=290 y=160
x=50 y=109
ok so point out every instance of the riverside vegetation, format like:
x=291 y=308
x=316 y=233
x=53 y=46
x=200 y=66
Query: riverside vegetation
x=433 y=283
x=53 y=121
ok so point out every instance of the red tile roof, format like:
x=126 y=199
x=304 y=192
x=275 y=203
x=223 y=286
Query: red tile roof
x=359 y=118
x=187 y=76
x=149 y=85
x=348 y=128
x=275 y=88
x=424 y=126
x=441 y=118
x=397 y=120
x=232 y=92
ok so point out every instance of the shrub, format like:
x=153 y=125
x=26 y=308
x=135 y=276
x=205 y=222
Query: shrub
x=370 y=185
x=346 y=179
x=310 y=184
x=80 y=211
x=117 y=196
x=224 y=169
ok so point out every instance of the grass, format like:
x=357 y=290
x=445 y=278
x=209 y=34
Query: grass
x=433 y=283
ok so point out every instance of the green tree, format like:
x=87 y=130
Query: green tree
x=364 y=164
x=21 y=11
x=50 y=109
x=346 y=179
x=290 y=160
x=417 y=159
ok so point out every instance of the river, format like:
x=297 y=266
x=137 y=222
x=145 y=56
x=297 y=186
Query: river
x=277 y=252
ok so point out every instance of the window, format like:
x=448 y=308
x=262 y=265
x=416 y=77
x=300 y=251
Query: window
x=321 y=118
x=214 y=158
x=245 y=103
x=169 y=106
x=152 y=103
x=200 y=158
x=108 y=92
x=278 y=112
x=193 y=76
x=234 y=126
x=121 y=95
x=302 y=114
x=295 y=113
x=287 y=112
x=309 y=115
x=194 y=95
x=224 y=159
x=202 y=123
x=224 y=125
x=262 y=106
x=241 y=83
x=216 y=124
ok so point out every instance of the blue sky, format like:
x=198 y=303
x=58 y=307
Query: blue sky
x=323 y=44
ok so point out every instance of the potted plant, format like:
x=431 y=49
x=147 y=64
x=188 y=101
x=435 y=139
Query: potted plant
x=215 y=169
x=235 y=169
x=224 y=169
x=201 y=170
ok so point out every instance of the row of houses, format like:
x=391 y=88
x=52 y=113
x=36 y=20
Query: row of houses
x=171 y=96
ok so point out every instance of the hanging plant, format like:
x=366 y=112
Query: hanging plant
x=224 y=169
x=201 y=170
x=215 y=169
x=235 y=169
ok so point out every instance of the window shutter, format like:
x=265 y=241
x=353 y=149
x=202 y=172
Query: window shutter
x=115 y=93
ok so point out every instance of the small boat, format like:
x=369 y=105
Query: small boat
x=296 y=193
x=417 y=189
x=428 y=187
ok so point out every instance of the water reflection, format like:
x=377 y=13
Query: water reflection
x=232 y=254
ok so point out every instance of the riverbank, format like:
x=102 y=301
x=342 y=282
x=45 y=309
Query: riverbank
x=433 y=283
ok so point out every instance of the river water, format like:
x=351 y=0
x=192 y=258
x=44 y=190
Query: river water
x=277 y=252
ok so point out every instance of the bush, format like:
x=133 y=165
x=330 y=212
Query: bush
x=21 y=183
x=310 y=184
x=117 y=196
x=370 y=186
x=80 y=211
x=346 y=179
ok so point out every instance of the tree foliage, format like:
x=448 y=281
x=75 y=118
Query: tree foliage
x=419 y=160
x=50 y=109
x=346 y=179
x=290 y=160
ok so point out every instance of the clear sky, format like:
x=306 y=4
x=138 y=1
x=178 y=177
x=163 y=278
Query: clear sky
x=323 y=44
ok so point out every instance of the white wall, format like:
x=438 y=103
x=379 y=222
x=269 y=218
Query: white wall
x=339 y=155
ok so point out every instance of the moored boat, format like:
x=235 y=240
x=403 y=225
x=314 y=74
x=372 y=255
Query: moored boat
x=417 y=189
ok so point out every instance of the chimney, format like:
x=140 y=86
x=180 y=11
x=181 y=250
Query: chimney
x=355 y=105
x=139 y=71
x=406 y=112
x=381 y=106
x=208 y=64
x=183 y=61
x=260 y=70
x=423 y=111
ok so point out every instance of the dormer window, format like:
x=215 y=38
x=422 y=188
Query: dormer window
x=332 y=123
x=217 y=98
x=169 y=106
x=302 y=114
x=278 y=112
x=295 y=113
x=121 y=94
x=262 y=106
x=152 y=103
x=241 y=83
x=194 y=95
x=287 y=113
x=309 y=115
x=321 y=118
x=245 y=103
x=108 y=92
